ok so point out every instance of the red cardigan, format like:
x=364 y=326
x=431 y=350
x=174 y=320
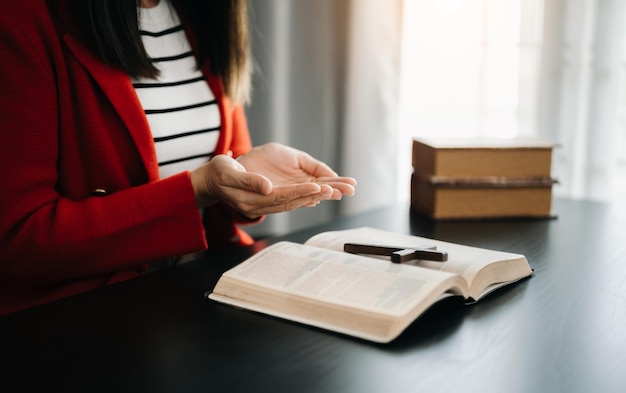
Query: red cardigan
x=81 y=204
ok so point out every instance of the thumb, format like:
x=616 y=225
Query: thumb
x=254 y=182
x=230 y=173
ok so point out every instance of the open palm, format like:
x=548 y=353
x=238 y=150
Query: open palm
x=284 y=165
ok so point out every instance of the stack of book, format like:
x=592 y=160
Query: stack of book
x=482 y=178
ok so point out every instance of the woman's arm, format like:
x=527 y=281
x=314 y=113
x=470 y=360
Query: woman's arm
x=46 y=235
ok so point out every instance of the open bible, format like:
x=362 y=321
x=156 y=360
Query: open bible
x=318 y=284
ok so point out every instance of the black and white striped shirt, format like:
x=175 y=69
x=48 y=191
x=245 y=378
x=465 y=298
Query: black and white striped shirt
x=180 y=106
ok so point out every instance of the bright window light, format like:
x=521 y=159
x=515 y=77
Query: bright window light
x=469 y=69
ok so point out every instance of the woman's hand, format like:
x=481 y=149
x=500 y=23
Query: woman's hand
x=284 y=165
x=252 y=194
x=271 y=178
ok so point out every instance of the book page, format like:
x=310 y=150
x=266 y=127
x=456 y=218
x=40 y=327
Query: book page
x=463 y=260
x=338 y=278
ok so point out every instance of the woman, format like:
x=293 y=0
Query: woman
x=119 y=121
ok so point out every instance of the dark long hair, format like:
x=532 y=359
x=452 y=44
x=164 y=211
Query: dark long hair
x=110 y=27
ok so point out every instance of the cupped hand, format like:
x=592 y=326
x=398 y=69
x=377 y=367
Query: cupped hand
x=252 y=194
x=284 y=165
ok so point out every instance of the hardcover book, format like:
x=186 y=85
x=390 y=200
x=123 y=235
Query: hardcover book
x=482 y=178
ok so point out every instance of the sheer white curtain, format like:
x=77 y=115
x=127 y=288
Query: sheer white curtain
x=371 y=113
x=552 y=68
x=583 y=95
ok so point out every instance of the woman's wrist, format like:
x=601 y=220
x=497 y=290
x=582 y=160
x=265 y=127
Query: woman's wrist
x=199 y=184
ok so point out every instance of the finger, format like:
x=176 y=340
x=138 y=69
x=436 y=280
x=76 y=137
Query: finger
x=345 y=189
x=307 y=201
x=284 y=198
x=247 y=201
x=338 y=179
x=314 y=191
x=341 y=188
x=315 y=167
x=264 y=209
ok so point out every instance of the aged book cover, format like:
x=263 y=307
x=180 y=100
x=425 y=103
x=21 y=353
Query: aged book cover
x=482 y=178
x=482 y=198
x=369 y=297
x=459 y=158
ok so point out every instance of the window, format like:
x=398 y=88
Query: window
x=475 y=68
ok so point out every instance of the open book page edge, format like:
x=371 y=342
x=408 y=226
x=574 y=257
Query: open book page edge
x=517 y=269
x=398 y=326
x=305 y=321
x=494 y=287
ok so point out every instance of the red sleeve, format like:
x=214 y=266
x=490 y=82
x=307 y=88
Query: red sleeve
x=241 y=142
x=46 y=237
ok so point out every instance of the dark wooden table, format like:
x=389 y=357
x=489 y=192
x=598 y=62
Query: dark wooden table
x=563 y=330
